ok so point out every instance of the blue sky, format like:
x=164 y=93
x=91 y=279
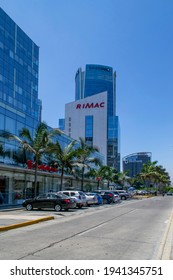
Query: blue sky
x=135 y=37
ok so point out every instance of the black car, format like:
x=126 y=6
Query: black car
x=107 y=196
x=50 y=200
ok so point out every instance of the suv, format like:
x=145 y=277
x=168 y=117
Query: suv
x=122 y=193
x=78 y=196
x=107 y=196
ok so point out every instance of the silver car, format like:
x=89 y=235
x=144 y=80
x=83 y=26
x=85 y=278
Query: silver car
x=78 y=196
x=91 y=199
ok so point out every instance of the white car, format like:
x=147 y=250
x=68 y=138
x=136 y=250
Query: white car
x=117 y=198
x=78 y=196
x=91 y=199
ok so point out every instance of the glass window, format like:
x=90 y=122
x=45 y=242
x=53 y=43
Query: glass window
x=66 y=193
x=10 y=125
x=89 y=130
x=2 y=121
x=72 y=193
x=41 y=196
x=52 y=196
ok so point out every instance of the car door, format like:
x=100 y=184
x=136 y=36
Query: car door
x=40 y=201
x=51 y=200
x=83 y=197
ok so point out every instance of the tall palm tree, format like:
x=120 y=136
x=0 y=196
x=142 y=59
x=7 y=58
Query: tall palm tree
x=153 y=173
x=148 y=172
x=107 y=173
x=36 y=145
x=95 y=174
x=85 y=157
x=64 y=157
x=162 y=179
x=122 y=179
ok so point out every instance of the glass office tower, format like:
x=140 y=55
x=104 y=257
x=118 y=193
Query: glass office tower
x=133 y=164
x=19 y=66
x=96 y=79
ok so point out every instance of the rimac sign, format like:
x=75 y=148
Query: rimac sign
x=90 y=105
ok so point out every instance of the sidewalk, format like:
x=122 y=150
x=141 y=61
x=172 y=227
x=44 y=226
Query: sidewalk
x=10 y=220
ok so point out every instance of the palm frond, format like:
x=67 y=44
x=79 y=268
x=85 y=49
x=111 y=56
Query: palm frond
x=25 y=133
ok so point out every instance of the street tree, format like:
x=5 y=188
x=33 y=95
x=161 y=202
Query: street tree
x=65 y=158
x=85 y=157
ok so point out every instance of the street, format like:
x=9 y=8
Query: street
x=133 y=229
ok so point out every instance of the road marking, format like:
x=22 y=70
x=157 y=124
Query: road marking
x=96 y=227
x=104 y=223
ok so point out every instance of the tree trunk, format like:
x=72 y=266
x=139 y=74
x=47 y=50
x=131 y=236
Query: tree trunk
x=35 y=184
x=98 y=184
x=82 y=179
x=62 y=175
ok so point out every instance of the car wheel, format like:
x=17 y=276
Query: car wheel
x=123 y=198
x=80 y=206
x=105 y=201
x=58 y=207
x=29 y=207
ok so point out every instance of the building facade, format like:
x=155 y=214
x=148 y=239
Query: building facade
x=19 y=66
x=82 y=119
x=20 y=107
x=96 y=79
x=18 y=183
x=90 y=83
x=132 y=164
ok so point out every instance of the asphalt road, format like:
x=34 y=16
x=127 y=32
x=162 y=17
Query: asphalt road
x=131 y=230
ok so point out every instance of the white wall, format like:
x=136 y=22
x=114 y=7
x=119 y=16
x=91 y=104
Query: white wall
x=98 y=109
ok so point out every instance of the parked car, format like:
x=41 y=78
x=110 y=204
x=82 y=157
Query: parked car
x=78 y=196
x=142 y=192
x=99 y=198
x=123 y=194
x=117 y=197
x=169 y=193
x=91 y=199
x=107 y=196
x=50 y=200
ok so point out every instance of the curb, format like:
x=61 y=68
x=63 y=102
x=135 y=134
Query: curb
x=11 y=209
x=13 y=226
x=166 y=244
x=142 y=196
